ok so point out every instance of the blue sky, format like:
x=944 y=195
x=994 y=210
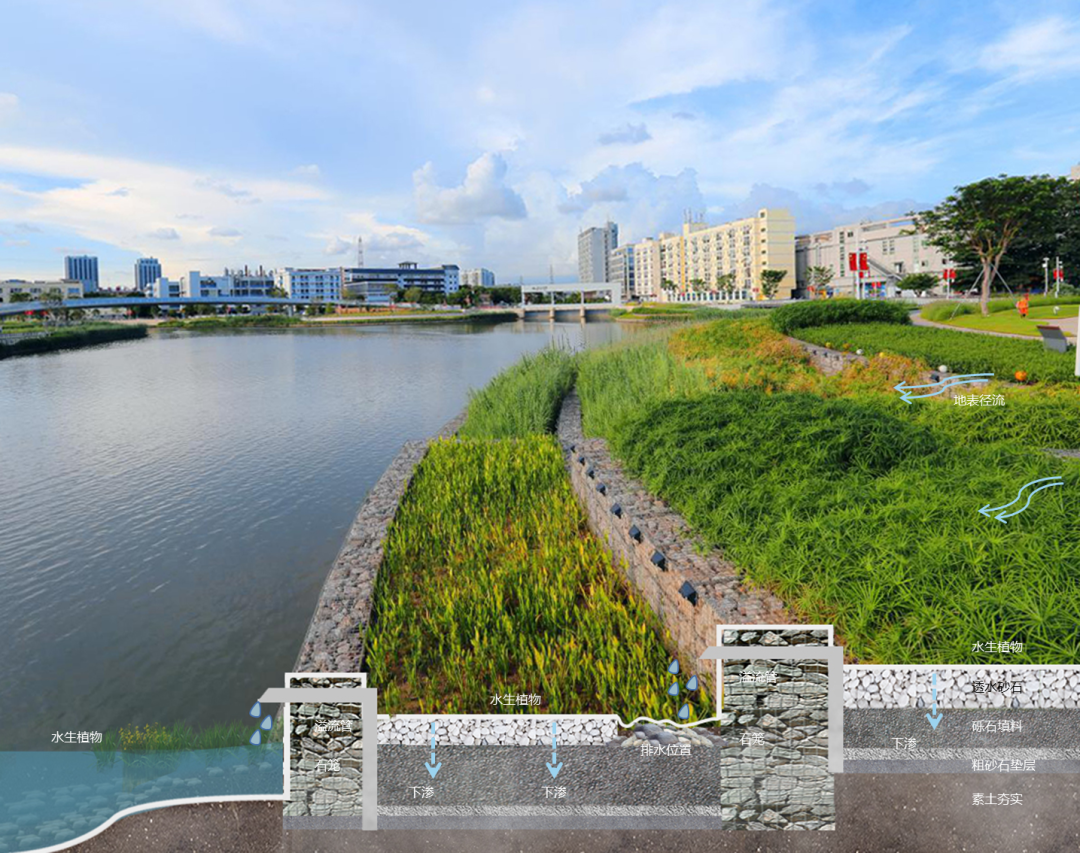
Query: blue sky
x=213 y=133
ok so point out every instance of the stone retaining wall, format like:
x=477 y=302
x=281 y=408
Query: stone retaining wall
x=335 y=636
x=691 y=592
x=318 y=733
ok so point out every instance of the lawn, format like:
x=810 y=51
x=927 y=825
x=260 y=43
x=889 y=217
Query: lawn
x=854 y=507
x=1011 y=322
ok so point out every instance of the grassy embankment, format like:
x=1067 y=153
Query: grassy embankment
x=856 y=508
x=492 y=584
x=237 y=321
x=675 y=311
x=73 y=337
x=1003 y=314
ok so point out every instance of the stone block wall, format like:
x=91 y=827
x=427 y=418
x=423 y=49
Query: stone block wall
x=692 y=592
x=320 y=733
x=775 y=773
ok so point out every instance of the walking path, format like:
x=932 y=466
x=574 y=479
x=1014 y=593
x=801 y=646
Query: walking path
x=1067 y=325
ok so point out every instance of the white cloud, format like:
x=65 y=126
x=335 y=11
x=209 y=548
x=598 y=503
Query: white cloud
x=164 y=234
x=629 y=134
x=1035 y=49
x=483 y=194
x=223 y=231
x=309 y=170
x=337 y=246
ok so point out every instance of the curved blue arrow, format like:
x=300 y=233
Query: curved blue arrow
x=1002 y=516
x=948 y=382
x=988 y=511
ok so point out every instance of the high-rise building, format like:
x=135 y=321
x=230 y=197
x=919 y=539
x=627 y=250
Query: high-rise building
x=594 y=252
x=147 y=271
x=478 y=278
x=621 y=269
x=718 y=263
x=82 y=268
x=894 y=248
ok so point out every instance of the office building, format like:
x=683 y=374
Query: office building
x=234 y=283
x=478 y=278
x=82 y=268
x=378 y=285
x=594 y=252
x=164 y=288
x=894 y=248
x=147 y=271
x=313 y=284
x=621 y=270
x=34 y=290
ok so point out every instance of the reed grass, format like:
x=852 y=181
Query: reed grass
x=491 y=584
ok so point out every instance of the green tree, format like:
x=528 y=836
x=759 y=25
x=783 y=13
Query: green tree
x=985 y=218
x=920 y=282
x=725 y=283
x=770 y=281
x=52 y=302
x=819 y=278
x=21 y=296
x=413 y=294
x=697 y=284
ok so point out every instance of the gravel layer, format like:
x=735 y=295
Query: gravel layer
x=961 y=687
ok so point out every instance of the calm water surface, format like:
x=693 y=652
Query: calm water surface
x=169 y=508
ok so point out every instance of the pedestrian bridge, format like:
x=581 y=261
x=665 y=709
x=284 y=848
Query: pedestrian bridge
x=106 y=302
x=581 y=308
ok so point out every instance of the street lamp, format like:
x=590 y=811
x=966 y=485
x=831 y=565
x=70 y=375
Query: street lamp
x=1046 y=275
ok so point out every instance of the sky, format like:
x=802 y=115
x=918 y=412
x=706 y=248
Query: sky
x=219 y=133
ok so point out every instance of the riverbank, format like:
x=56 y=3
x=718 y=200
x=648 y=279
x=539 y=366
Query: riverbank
x=76 y=337
x=285 y=321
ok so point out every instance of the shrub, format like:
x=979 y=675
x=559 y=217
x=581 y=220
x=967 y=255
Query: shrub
x=961 y=352
x=789 y=318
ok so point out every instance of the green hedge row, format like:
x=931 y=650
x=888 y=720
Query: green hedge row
x=789 y=318
x=72 y=339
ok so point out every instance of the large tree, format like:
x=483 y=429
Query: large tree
x=770 y=281
x=818 y=279
x=987 y=217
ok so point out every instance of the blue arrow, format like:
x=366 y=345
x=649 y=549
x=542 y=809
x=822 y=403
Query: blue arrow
x=1002 y=516
x=934 y=720
x=432 y=767
x=988 y=511
x=673 y=667
x=941 y=386
x=692 y=683
x=554 y=767
x=674 y=689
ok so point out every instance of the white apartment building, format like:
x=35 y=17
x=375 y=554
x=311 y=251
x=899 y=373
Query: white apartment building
x=238 y=284
x=687 y=266
x=324 y=284
x=621 y=270
x=647 y=276
x=478 y=278
x=68 y=288
x=594 y=252
x=894 y=248
x=164 y=288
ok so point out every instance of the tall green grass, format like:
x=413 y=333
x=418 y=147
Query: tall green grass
x=855 y=507
x=154 y=737
x=961 y=352
x=491 y=584
x=826 y=312
x=523 y=399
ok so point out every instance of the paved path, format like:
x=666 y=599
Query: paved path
x=1067 y=325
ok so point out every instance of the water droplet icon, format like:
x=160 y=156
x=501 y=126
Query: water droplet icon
x=673 y=667
x=256 y=738
x=692 y=683
x=268 y=723
x=684 y=712
x=674 y=689
x=255 y=710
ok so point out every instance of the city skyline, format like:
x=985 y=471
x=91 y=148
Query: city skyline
x=261 y=134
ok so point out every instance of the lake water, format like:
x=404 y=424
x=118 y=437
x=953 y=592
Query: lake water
x=169 y=508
